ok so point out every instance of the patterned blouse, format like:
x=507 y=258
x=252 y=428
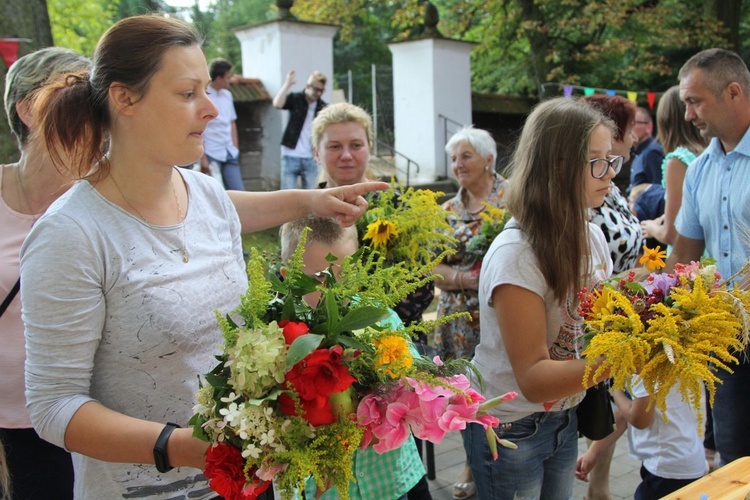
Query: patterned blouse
x=459 y=338
x=621 y=229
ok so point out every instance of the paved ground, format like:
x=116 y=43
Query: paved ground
x=449 y=461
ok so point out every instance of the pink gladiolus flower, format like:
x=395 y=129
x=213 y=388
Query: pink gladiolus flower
x=371 y=410
x=394 y=431
x=437 y=361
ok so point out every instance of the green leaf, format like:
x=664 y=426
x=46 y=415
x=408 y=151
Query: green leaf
x=217 y=381
x=301 y=347
x=360 y=318
x=352 y=342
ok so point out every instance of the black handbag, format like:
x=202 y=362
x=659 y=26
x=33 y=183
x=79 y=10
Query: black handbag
x=595 y=417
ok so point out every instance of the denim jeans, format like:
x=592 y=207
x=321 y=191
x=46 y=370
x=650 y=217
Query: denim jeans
x=230 y=172
x=543 y=466
x=731 y=413
x=293 y=167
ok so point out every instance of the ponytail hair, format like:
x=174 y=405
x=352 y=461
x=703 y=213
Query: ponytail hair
x=73 y=111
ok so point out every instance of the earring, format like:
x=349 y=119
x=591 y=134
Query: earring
x=486 y=168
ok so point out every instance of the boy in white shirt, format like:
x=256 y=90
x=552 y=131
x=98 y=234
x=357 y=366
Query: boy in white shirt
x=671 y=453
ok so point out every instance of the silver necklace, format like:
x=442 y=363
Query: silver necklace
x=183 y=250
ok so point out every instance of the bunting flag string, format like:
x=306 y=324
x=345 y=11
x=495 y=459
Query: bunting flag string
x=632 y=95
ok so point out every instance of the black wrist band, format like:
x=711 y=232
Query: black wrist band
x=160 y=448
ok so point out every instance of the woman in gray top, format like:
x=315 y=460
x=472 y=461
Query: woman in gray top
x=120 y=277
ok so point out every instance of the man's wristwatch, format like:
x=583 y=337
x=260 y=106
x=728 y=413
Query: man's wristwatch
x=160 y=448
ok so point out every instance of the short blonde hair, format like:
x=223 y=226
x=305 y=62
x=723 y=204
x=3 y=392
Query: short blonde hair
x=341 y=112
x=322 y=230
x=317 y=77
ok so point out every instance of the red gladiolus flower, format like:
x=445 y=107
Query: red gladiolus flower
x=292 y=330
x=314 y=379
x=317 y=411
x=225 y=470
x=320 y=374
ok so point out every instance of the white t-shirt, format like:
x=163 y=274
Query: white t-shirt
x=510 y=260
x=217 y=138
x=671 y=450
x=304 y=142
x=113 y=314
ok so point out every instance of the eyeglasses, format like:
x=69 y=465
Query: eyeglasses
x=319 y=90
x=600 y=166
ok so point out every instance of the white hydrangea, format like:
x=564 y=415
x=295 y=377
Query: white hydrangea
x=257 y=360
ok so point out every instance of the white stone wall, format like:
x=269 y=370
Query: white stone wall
x=269 y=51
x=431 y=77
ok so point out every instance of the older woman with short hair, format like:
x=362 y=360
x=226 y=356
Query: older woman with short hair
x=473 y=154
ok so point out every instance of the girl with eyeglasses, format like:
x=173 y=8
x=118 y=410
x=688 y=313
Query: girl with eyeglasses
x=531 y=331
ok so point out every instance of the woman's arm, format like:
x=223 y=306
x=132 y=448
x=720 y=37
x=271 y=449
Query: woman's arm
x=522 y=320
x=104 y=434
x=262 y=210
x=453 y=279
x=674 y=178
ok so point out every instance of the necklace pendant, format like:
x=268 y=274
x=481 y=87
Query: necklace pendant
x=184 y=257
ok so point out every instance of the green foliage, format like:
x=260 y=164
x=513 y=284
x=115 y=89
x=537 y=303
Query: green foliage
x=78 y=24
x=224 y=16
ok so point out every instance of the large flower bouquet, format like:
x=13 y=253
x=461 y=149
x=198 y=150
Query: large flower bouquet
x=299 y=388
x=667 y=328
x=493 y=222
x=406 y=226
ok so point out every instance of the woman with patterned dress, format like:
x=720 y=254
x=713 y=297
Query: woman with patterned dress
x=684 y=142
x=619 y=225
x=473 y=153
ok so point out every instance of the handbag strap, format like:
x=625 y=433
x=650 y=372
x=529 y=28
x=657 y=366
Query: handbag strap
x=10 y=297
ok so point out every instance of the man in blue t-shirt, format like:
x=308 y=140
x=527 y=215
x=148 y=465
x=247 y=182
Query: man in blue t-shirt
x=648 y=155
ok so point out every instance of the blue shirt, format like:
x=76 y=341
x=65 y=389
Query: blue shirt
x=646 y=165
x=716 y=204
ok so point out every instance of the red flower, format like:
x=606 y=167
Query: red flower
x=320 y=374
x=317 y=411
x=315 y=378
x=292 y=330
x=225 y=470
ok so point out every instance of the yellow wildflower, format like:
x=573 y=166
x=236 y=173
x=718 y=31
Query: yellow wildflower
x=604 y=303
x=653 y=258
x=380 y=232
x=392 y=354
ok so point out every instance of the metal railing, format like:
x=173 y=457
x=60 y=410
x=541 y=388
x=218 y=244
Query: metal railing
x=446 y=121
x=384 y=147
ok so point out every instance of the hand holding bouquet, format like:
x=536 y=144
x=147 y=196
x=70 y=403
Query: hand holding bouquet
x=493 y=222
x=406 y=226
x=299 y=388
x=668 y=328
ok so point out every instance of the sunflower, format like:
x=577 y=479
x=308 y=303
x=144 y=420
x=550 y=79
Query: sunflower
x=653 y=258
x=380 y=232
